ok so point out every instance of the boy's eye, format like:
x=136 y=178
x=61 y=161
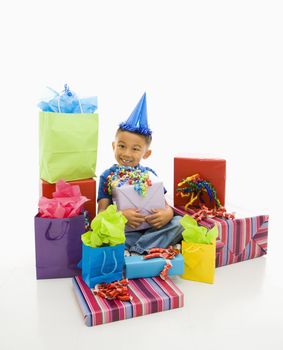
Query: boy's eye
x=136 y=149
x=121 y=146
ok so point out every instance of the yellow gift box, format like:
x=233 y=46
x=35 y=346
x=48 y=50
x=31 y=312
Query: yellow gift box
x=199 y=261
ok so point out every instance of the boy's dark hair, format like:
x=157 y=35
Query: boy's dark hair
x=148 y=138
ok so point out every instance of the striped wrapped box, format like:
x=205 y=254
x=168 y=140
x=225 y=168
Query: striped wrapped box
x=241 y=239
x=238 y=239
x=150 y=295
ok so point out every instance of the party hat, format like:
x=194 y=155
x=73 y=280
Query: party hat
x=137 y=121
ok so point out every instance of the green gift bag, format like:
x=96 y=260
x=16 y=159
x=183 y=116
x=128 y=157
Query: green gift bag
x=67 y=146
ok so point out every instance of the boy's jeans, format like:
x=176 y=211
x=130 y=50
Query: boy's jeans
x=141 y=241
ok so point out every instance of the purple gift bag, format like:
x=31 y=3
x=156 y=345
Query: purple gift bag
x=58 y=246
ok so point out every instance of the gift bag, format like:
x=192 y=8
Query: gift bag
x=58 y=246
x=103 y=264
x=199 y=260
x=67 y=146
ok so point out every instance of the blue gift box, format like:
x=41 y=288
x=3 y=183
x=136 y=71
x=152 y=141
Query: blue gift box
x=138 y=267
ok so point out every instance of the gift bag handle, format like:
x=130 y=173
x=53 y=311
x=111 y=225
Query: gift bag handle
x=192 y=250
x=66 y=91
x=104 y=261
x=61 y=235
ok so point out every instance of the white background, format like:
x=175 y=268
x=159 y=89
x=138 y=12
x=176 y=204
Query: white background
x=213 y=75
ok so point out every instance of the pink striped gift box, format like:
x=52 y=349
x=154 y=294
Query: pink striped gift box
x=239 y=239
x=150 y=295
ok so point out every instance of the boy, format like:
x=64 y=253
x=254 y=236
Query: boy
x=131 y=145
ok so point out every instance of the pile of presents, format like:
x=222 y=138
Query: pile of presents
x=108 y=285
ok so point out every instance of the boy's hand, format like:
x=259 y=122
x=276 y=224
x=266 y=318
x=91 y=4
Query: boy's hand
x=134 y=217
x=160 y=217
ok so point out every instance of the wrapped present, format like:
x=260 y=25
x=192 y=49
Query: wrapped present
x=238 y=239
x=210 y=169
x=87 y=188
x=149 y=295
x=138 y=267
x=241 y=239
x=127 y=197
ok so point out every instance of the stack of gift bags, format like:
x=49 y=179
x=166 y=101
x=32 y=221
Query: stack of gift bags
x=68 y=137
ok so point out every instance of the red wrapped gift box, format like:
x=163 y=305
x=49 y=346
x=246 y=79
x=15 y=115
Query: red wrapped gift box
x=87 y=187
x=150 y=295
x=212 y=170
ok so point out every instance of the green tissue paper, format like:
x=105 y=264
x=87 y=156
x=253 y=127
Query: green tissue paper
x=195 y=233
x=107 y=229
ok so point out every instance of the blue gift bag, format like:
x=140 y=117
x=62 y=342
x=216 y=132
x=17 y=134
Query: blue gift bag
x=103 y=264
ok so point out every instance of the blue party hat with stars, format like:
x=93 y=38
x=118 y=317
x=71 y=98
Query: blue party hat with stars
x=137 y=121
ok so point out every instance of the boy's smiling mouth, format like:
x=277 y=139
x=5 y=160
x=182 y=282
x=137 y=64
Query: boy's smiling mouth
x=126 y=161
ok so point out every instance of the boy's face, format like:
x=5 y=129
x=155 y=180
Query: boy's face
x=130 y=148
